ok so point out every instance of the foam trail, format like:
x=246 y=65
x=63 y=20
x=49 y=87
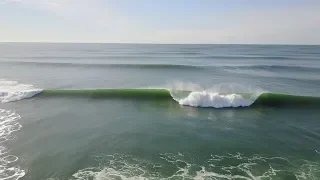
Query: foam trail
x=13 y=91
x=183 y=166
x=8 y=125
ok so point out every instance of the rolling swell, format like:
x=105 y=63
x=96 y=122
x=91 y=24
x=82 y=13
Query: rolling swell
x=196 y=99
x=275 y=68
x=104 y=65
x=168 y=66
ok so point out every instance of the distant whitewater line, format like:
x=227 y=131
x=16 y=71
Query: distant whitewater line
x=168 y=66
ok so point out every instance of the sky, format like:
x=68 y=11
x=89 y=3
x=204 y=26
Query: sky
x=161 y=21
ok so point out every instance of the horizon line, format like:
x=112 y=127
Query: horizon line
x=145 y=43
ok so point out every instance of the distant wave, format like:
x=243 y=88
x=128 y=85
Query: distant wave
x=101 y=65
x=185 y=55
x=168 y=66
x=275 y=68
x=251 y=57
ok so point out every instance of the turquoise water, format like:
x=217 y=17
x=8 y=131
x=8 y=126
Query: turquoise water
x=126 y=111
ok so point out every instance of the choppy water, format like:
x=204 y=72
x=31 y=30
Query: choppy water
x=128 y=111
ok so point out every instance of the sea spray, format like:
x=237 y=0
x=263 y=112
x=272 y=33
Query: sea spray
x=217 y=96
x=207 y=99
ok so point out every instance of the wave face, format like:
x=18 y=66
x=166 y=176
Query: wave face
x=112 y=93
x=13 y=91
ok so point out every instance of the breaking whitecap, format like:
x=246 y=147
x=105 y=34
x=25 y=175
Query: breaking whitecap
x=13 y=91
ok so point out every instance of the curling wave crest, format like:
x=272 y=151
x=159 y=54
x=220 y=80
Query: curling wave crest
x=13 y=91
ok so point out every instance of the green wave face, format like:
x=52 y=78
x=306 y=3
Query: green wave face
x=285 y=100
x=112 y=93
x=265 y=99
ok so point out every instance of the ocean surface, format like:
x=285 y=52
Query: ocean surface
x=138 y=111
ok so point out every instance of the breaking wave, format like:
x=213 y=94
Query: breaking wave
x=13 y=91
x=196 y=97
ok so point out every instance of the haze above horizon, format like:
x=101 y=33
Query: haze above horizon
x=161 y=22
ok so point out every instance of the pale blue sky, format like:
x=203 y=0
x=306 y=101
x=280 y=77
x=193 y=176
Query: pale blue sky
x=161 y=21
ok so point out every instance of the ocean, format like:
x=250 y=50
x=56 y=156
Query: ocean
x=72 y=111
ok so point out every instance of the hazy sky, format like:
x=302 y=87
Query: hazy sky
x=161 y=21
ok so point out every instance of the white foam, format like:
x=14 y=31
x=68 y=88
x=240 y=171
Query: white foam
x=13 y=91
x=8 y=125
x=115 y=167
x=216 y=100
x=184 y=166
x=217 y=96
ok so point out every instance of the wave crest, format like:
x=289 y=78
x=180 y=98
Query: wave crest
x=13 y=91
